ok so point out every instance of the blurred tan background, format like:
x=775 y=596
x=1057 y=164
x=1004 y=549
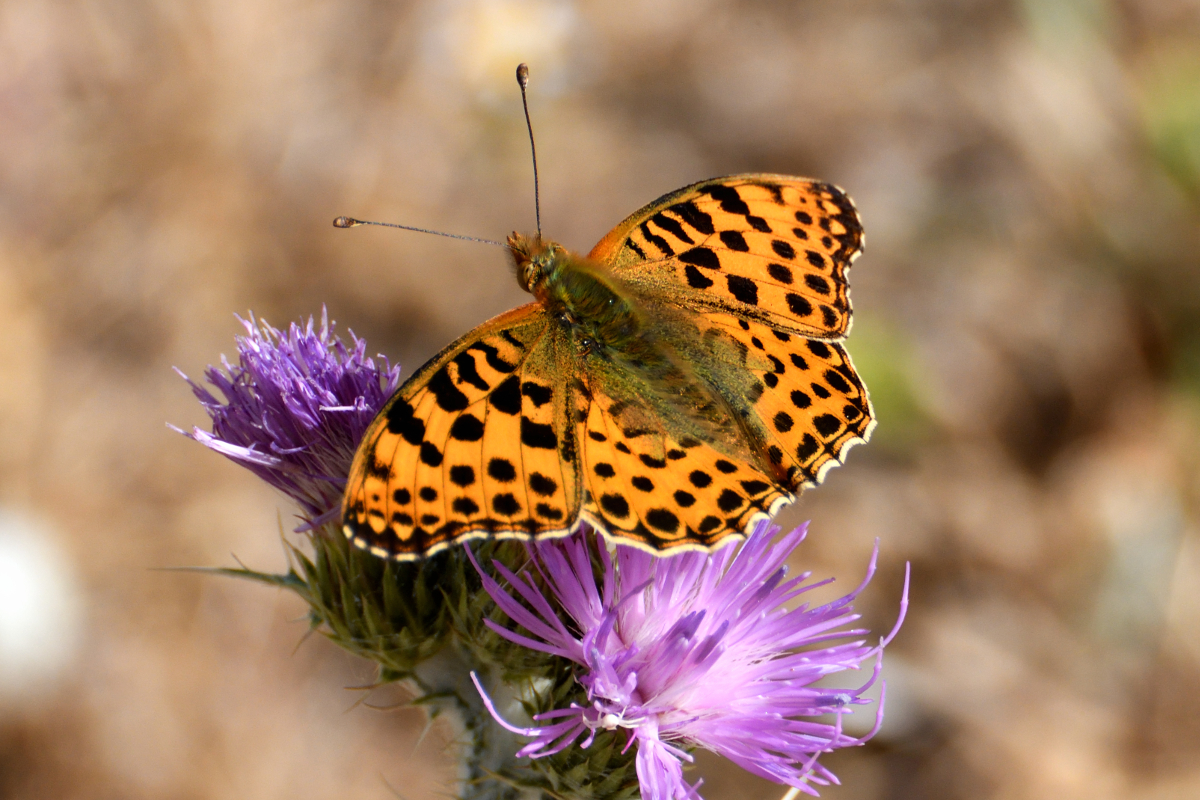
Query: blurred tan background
x=1027 y=318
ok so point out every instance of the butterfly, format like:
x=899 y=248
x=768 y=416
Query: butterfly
x=682 y=381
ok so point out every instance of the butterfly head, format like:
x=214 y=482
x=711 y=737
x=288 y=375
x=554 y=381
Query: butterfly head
x=534 y=258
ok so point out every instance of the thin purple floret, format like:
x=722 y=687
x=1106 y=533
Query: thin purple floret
x=694 y=650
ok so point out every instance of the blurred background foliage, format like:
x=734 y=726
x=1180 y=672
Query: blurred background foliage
x=1027 y=318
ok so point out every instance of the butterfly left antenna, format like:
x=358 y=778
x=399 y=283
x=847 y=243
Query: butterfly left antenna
x=351 y=222
x=523 y=82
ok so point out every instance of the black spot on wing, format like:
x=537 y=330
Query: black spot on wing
x=799 y=305
x=663 y=519
x=537 y=435
x=538 y=394
x=465 y=506
x=731 y=202
x=729 y=501
x=808 y=447
x=430 y=454
x=743 y=289
x=548 y=511
x=462 y=475
x=542 y=484
x=448 y=396
x=505 y=504
x=507 y=397
x=695 y=278
x=837 y=380
x=701 y=257
x=693 y=216
x=775 y=189
x=816 y=283
x=501 y=469
x=653 y=238
x=827 y=424
x=672 y=227
x=780 y=273
x=734 y=240
x=819 y=349
x=378 y=469
x=783 y=249
x=400 y=420
x=492 y=355
x=467 y=372
x=615 y=505
x=467 y=428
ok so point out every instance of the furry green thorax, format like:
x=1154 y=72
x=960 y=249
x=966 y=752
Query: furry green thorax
x=578 y=293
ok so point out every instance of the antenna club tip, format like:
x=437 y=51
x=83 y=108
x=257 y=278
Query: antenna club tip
x=523 y=75
x=345 y=222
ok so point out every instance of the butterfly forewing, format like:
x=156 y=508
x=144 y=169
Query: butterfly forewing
x=470 y=446
x=766 y=247
x=807 y=405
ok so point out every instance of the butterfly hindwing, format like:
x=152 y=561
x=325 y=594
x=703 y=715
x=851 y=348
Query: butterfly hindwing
x=663 y=492
x=472 y=445
x=770 y=248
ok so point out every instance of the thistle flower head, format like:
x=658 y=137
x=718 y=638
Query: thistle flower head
x=693 y=650
x=296 y=405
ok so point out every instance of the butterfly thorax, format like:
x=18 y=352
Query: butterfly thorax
x=579 y=294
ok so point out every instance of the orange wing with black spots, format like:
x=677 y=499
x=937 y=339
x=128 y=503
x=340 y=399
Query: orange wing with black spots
x=769 y=248
x=807 y=406
x=477 y=443
x=663 y=492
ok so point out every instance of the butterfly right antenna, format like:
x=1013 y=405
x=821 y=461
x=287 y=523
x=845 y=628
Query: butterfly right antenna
x=523 y=82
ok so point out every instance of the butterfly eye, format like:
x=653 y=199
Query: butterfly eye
x=530 y=275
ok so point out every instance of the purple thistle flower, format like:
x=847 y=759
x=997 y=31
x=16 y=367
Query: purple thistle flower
x=296 y=406
x=697 y=649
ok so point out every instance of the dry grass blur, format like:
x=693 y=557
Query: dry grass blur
x=1027 y=317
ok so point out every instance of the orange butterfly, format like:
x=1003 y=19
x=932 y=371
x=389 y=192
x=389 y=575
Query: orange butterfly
x=680 y=382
